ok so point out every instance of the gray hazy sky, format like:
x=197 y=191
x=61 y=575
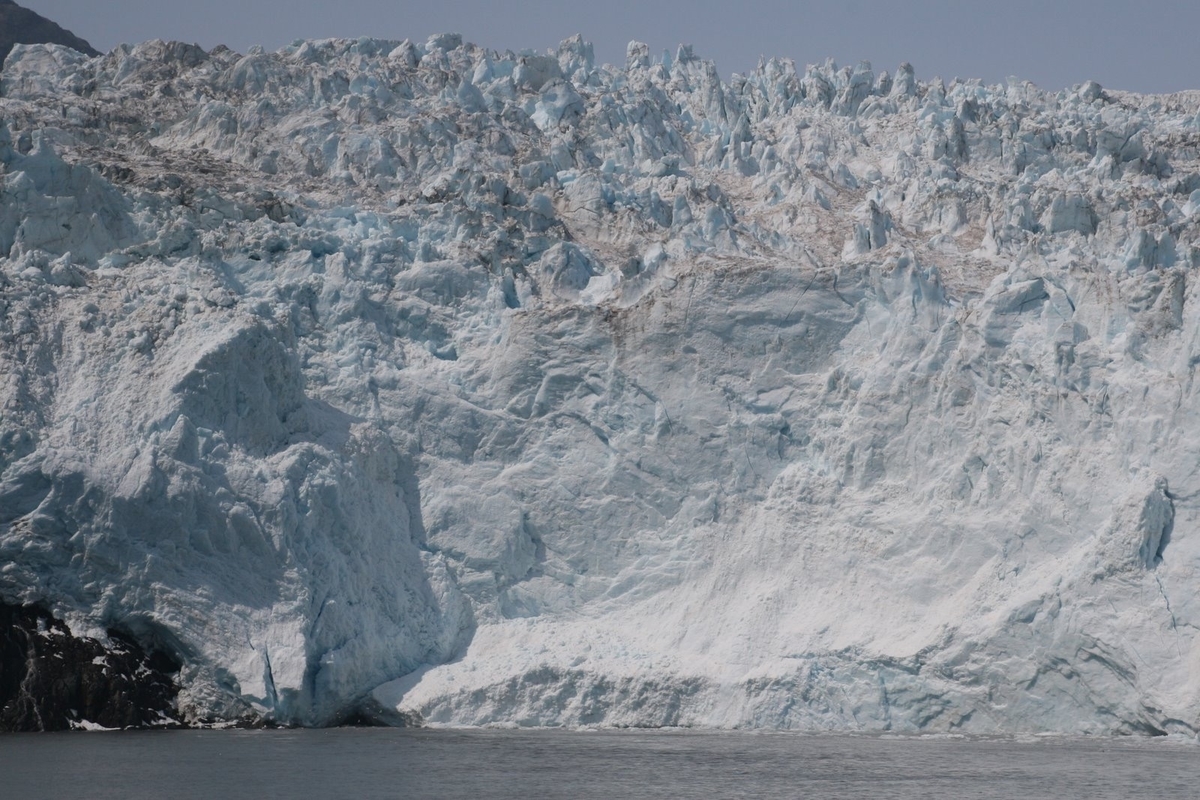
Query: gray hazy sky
x=1148 y=46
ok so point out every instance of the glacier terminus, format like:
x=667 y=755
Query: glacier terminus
x=427 y=384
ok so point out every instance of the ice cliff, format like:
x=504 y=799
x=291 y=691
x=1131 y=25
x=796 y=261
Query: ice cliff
x=444 y=385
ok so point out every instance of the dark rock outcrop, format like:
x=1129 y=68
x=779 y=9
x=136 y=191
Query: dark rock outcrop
x=21 y=26
x=52 y=680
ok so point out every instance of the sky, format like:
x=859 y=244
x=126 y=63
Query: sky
x=1147 y=46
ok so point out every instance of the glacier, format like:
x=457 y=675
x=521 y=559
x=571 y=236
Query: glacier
x=436 y=385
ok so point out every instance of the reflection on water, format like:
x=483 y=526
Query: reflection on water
x=611 y=764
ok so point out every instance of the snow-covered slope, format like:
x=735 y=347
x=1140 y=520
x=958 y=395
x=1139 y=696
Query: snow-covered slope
x=472 y=388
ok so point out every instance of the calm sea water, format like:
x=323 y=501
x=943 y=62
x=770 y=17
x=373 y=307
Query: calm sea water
x=368 y=763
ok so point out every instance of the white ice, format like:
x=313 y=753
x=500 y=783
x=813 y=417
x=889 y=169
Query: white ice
x=477 y=388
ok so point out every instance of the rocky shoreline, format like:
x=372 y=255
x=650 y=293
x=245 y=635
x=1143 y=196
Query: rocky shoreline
x=52 y=680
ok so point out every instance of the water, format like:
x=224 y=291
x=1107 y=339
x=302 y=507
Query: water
x=370 y=763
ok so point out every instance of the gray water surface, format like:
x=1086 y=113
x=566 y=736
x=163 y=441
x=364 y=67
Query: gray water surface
x=384 y=763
